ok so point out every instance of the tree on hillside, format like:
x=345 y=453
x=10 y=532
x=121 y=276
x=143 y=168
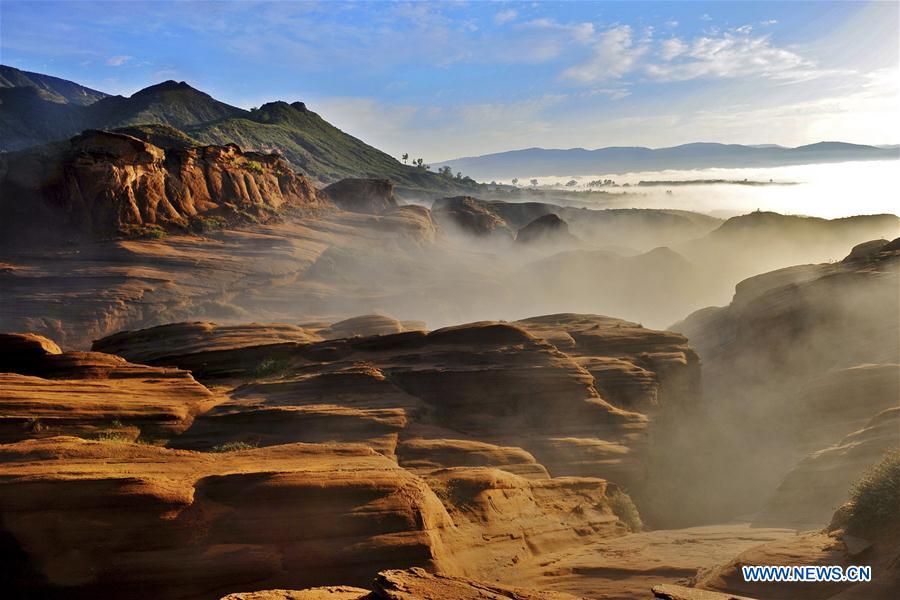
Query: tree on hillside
x=445 y=172
x=515 y=181
x=534 y=182
x=405 y=157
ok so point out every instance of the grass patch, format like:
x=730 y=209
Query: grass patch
x=271 y=367
x=623 y=507
x=232 y=447
x=875 y=498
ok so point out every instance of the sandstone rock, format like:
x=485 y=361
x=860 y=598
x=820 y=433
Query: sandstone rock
x=105 y=184
x=126 y=521
x=800 y=358
x=819 y=483
x=91 y=393
x=467 y=214
x=679 y=592
x=520 y=397
x=331 y=592
x=416 y=584
x=372 y=196
x=546 y=229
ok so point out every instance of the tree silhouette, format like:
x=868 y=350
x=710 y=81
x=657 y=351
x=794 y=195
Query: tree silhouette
x=405 y=157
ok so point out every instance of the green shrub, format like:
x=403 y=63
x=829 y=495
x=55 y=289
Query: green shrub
x=207 y=224
x=271 y=367
x=875 y=498
x=114 y=437
x=152 y=232
x=252 y=165
x=623 y=507
x=232 y=447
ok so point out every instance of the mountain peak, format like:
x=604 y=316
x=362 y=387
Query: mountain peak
x=166 y=86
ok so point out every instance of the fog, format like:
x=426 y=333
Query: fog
x=821 y=190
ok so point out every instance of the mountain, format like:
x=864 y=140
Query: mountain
x=51 y=88
x=537 y=162
x=34 y=111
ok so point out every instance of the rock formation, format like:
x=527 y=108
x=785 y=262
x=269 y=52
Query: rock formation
x=45 y=392
x=468 y=215
x=465 y=450
x=102 y=184
x=801 y=358
x=372 y=196
x=546 y=229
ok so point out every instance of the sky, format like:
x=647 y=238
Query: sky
x=447 y=79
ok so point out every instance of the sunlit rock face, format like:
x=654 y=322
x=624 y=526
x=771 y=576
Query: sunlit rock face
x=101 y=184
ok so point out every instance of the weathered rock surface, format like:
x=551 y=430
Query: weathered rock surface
x=102 y=183
x=819 y=483
x=409 y=584
x=572 y=394
x=46 y=392
x=126 y=521
x=471 y=450
x=548 y=229
x=801 y=358
x=414 y=584
x=330 y=592
x=814 y=548
x=469 y=215
x=372 y=196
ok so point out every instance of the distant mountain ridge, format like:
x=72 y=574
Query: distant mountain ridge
x=38 y=109
x=52 y=88
x=543 y=162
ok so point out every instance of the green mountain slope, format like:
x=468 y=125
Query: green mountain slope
x=167 y=103
x=315 y=146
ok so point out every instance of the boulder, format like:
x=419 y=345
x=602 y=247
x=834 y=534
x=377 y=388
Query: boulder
x=372 y=196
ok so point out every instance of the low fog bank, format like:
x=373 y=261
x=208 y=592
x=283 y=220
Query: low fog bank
x=650 y=267
x=821 y=190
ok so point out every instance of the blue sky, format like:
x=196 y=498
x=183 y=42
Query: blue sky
x=446 y=79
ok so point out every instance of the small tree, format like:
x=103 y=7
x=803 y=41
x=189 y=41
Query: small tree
x=515 y=181
x=405 y=157
x=534 y=182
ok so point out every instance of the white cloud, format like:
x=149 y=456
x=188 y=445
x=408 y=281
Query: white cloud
x=768 y=22
x=671 y=23
x=118 y=61
x=614 y=55
x=705 y=17
x=612 y=93
x=728 y=56
x=505 y=16
x=744 y=29
x=672 y=48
